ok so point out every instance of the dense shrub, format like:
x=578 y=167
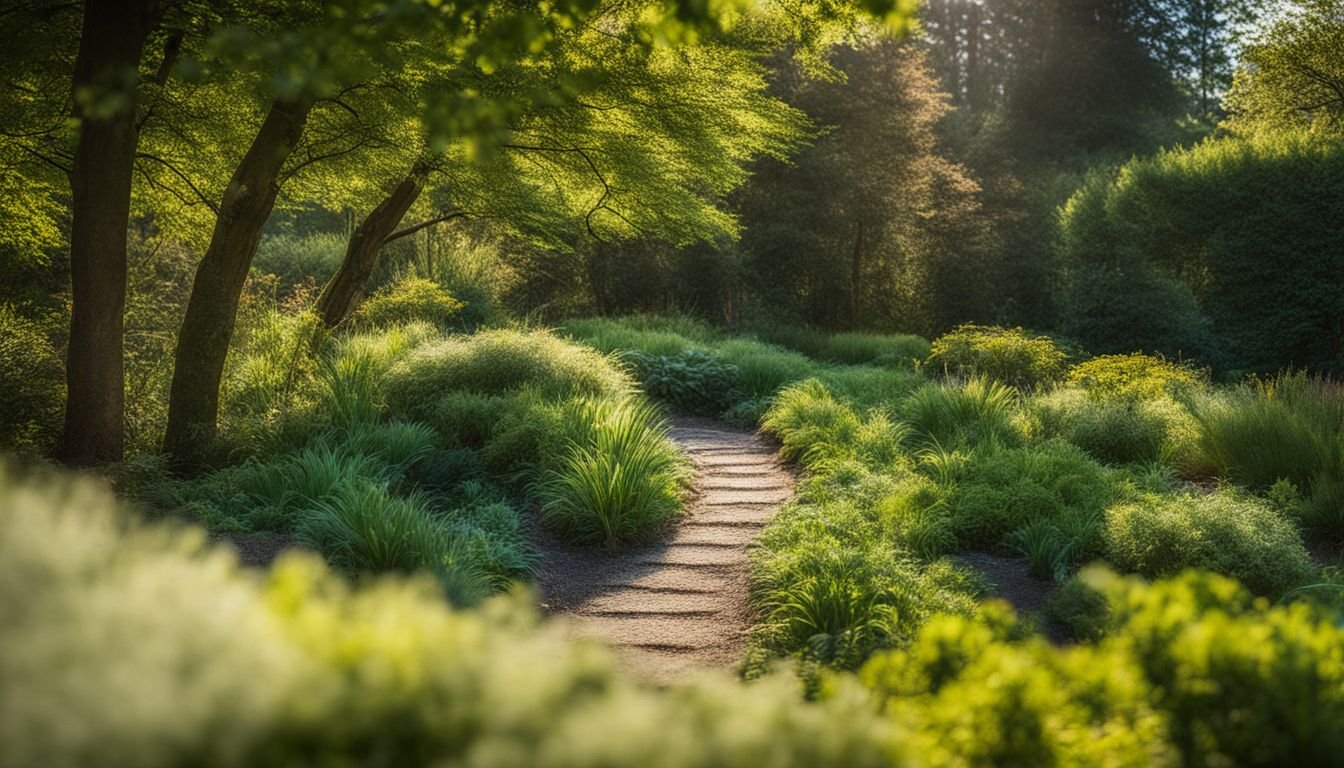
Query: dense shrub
x=408 y=300
x=977 y=693
x=1051 y=492
x=1134 y=377
x=978 y=412
x=32 y=384
x=131 y=646
x=694 y=380
x=1222 y=532
x=1007 y=355
x=620 y=480
x=1116 y=430
x=1191 y=671
x=498 y=362
x=1240 y=225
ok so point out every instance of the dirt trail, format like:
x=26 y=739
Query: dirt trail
x=680 y=604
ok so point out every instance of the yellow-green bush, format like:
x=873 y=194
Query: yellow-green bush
x=1007 y=355
x=1134 y=376
x=1191 y=671
x=407 y=300
x=122 y=645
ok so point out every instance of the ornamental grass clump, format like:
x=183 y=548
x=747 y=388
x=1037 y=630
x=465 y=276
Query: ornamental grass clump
x=620 y=481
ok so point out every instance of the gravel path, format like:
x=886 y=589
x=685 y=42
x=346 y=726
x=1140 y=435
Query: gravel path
x=680 y=604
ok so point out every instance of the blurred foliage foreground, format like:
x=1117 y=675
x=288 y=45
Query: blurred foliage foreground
x=124 y=644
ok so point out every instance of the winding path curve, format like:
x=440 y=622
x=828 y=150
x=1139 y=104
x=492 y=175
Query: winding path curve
x=680 y=604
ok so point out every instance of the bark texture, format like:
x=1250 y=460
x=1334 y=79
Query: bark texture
x=346 y=288
x=203 y=343
x=111 y=43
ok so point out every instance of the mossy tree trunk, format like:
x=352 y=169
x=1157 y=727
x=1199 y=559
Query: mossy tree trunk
x=207 y=328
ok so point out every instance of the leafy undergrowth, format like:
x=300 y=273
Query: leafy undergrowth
x=1094 y=467
x=405 y=449
x=136 y=645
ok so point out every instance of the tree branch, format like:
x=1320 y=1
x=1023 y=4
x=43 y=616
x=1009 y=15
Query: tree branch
x=179 y=174
x=411 y=230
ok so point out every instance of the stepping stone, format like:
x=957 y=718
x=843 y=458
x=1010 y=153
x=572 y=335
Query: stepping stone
x=758 y=514
x=719 y=498
x=661 y=632
x=687 y=579
x=767 y=483
x=697 y=556
x=635 y=601
x=718 y=535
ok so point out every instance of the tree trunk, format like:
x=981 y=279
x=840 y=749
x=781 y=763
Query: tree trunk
x=346 y=288
x=203 y=343
x=111 y=42
x=856 y=278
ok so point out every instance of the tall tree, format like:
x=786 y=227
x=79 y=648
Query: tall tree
x=105 y=84
x=871 y=226
x=1293 y=73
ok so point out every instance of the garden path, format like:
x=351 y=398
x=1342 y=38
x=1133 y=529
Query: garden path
x=680 y=604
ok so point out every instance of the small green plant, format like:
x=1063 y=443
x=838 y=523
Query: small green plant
x=1007 y=355
x=978 y=412
x=1223 y=532
x=406 y=300
x=694 y=380
x=32 y=383
x=621 y=480
x=1080 y=609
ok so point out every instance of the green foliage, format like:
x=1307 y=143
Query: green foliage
x=621 y=479
x=763 y=368
x=1007 y=355
x=408 y=300
x=820 y=431
x=1231 y=673
x=1134 y=377
x=976 y=694
x=363 y=529
x=833 y=588
x=1046 y=498
x=1191 y=671
x=269 y=378
x=1116 y=429
x=878 y=349
x=978 y=412
x=499 y=362
x=1236 y=223
x=647 y=334
x=1291 y=73
x=300 y=258
x=1080 y=609
x=32 y=383
x=1286 y=428
x=135 y=646
x=1222 y=532
x=694 y=380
